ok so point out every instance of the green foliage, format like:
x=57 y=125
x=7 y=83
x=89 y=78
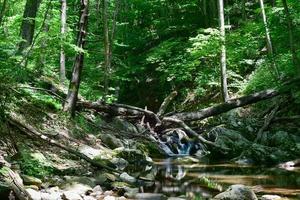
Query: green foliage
x=33 y=164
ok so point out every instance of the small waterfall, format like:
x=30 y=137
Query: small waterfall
x=176 y=143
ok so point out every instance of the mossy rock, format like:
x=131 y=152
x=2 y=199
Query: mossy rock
x=111 y=141
x=133 y=156
x=151 y=149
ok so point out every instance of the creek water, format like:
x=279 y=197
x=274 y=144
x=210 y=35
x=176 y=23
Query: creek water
x=204 y=180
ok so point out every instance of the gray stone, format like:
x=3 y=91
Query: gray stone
x=51 y=196
x=111 y=141
x=236 y=192
x=270 y=197
x=35 y=195
x=69 y=195
x=120 y=163
x=127 y=178
x=109 y=198
x=97 y=189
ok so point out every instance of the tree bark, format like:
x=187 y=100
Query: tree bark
x=70 y=104
x=223 y=52
x=63 y=28
x=268 y=37
x=224 y=107
x=166 y=103
x=28 y=23
x=107 y=63
x=291 y=35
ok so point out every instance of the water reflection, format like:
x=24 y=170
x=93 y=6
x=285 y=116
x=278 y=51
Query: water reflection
x=175 y=178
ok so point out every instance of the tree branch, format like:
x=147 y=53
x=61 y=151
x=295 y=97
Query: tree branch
x=224 y=107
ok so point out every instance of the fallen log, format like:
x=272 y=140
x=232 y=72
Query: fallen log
x=119 y=110
x=166 y=103
x=13 y=180
x=224 y=107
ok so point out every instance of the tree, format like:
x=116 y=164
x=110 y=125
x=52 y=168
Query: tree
x=3 y=10
x=28 y=23
x=107 y=63
x=63 y=18
x=70 y=104
x=109 y=35
x=223 y=53
x=268 y=37
x=291 y=35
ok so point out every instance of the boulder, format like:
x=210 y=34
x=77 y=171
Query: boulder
x=69 y=195
x=111 y=141
x=236 y=192
x=120 y=163
x=30 y=180
x=35 y=195
x=109 y=198
x=127 y=178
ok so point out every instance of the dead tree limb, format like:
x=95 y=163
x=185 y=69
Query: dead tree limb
x=33 y=133
x=119 y=109
x=166 y=103
x=224 y=107
x=267 y=122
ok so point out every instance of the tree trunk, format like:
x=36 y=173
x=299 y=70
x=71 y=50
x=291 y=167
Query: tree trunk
x=224 y=107
x=244 y=15
x=291 y=35
x=63 y=18
x=70 y=104
x=28 y=23
x=268 y=37
x=106 y=46
x=3 y=10
x=223 y=52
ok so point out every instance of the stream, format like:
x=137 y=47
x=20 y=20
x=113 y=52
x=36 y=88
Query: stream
x=204 y=180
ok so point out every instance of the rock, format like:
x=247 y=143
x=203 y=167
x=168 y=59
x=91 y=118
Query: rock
x=89 y=151
x=88 y=198
x=109 y=198
x=84 y=180
x=133 y=156
x=30 y=180
x=100 y=178
x=120 y=163
x=236 y=192
x=131 y=192
x=97 y=189
x=111 y=141
x=110 y=177
x=108 y=193
x=127 y=178
x=150 y=196
x=69 y=195
x=270 y=197
x=121 y=198
x=51 y=196
x=175 y=198
x=34 y=187
x=78 y=188
x=124 y=125
x=35 y=195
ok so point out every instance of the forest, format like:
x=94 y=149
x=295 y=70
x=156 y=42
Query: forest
x=149 y=99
